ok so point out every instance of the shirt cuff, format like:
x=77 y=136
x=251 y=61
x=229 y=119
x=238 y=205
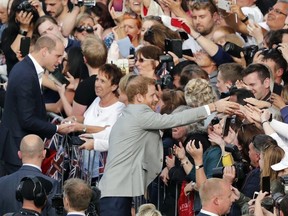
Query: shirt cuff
x=207 y=109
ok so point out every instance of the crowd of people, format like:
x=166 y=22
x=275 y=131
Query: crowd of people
x=182 y=103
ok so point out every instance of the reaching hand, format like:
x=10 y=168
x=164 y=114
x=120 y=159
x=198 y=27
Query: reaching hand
x=229 y=174
x=225 y=106
x=278 y=101
x=170 y=162
x=196 y=153
x=88 y=145
x=179 y=151
x=164 y=176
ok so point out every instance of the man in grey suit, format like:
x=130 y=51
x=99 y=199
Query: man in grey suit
x=135 y=153
x=217 y=196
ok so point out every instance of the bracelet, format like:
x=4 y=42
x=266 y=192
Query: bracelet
x=74 y=118
x=199 y=35
x=245 y=19
x=22 y=32
x=184 y=163
x=84 y=129
x=264 y=122
x=215 y=107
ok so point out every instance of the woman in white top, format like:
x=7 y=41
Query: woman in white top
x=100 y=117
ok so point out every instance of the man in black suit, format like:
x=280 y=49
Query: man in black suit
x=24 y=110
x=32 y=153
x=217 y=196
x=76 y=197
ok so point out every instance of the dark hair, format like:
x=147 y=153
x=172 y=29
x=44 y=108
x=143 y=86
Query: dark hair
x=206 y=4
x=245 y=135
x=41 y=20
x=113 y=73
x=101 y=11
x=284 y=205
x=192 y=71
x=277 y=57
x=262 y=71
x=276 y=37
x=262 y=142
x=76 y=65
x=241 y=94
x=157 y=34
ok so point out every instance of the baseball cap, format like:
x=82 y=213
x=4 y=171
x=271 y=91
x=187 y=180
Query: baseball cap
x=283 y=164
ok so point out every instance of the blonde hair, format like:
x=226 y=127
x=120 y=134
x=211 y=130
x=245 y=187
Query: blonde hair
x=199 y=92
x=148 y=210
x=94 y=51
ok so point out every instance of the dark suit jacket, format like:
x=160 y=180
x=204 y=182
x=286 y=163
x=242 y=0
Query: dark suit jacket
x=202 y=214
x=9 y=184
x=24 y=111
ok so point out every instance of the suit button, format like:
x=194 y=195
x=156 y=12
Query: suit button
x=157 y=174
x=161 y=160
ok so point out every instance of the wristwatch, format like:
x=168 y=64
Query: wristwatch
x=84 y=129
x=198 y=167
x=22 y=32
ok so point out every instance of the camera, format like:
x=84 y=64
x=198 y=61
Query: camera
x=27 y=7
x=274 y=201
x=165 y=81
x=168 y=60
x=234 y=50
x=240 y=166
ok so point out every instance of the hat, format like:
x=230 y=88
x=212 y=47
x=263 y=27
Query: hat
x=283 y=164
x=33 y=186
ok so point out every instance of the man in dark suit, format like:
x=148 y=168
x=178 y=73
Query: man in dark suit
x=32 y=193
x=24 y=110
x=216 y=196
x=76 y=197
x=32 y=153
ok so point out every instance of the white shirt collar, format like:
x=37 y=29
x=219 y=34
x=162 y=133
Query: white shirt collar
x=208 y=213
x=38 y=67
x=32 y=165
x=78 y=213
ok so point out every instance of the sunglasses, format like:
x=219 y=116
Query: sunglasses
x=141 y=60
x=88 y=29
x=277 y=11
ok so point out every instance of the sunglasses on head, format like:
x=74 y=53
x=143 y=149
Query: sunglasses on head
x=88 y=29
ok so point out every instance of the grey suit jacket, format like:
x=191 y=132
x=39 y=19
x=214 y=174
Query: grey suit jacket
x=135 y=154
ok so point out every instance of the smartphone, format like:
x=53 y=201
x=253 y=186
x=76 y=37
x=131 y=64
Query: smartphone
x=187 y=52
x=174 y=45
x=226 y=126
x=25 y=46
x=170 y=152
x=266 y=184
x=184 y=36
x=224 y=5
x=255 y=195
x=132 y=52
x=59 y=78
x=89 y=3
x=118 y=5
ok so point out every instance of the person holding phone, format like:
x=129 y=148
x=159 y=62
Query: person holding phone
x=20 y=24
